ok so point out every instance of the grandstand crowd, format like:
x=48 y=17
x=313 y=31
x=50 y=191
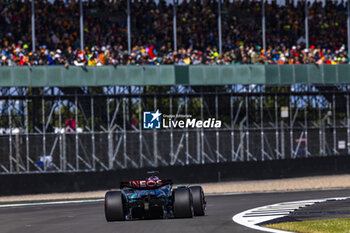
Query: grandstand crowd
x=58 y=33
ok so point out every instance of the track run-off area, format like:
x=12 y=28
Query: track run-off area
x=87 y=216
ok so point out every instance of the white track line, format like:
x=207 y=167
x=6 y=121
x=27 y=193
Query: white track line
x=53 y=202
x=272 y=192
x=253 y=217
x=50 y=203
x=37 y=203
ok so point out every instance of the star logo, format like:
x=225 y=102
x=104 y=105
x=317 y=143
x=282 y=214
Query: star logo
x=156 y=115
x=151 y=120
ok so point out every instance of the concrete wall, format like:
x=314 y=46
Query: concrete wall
x=87 y=181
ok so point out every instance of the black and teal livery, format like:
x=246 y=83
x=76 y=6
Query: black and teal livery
x=153 y=198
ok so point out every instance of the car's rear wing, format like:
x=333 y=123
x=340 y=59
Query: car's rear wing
x=145 y=184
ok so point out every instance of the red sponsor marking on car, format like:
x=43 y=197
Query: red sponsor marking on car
x=144 y=184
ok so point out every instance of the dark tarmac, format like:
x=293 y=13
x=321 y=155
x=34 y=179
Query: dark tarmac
x=89 y=217
x=325 y=210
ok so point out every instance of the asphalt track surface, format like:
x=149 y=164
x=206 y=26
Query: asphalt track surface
x=89 y=217
x=325 y=210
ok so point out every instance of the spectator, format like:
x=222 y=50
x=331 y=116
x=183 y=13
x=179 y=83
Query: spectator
x=70 y=125
x=57 y=33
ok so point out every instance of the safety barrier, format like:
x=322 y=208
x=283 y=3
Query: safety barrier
x=59 y=76
x=87 y=181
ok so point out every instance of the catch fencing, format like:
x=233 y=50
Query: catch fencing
x=259 y=123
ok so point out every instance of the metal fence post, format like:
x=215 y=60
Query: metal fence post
x=307 y=23
x=219 y=26
x=110 y=138
x=81 y=26
x=60 y=133
x=129 y=26
x=306 y=131
x=140 y=133
x=124 y=135
x=291 y=133
x=334 y=127
x=33 y=26
x=247 y=127
x=44 y=132
x=263 y=25
x=202 y=132
x=64 y=151
x=233 y=157
x=277 y=132
x=186 y=132
x=17 y=151
x=172 y=157
x=174 y=24
x=262 y=129
x=76 y=134
x=241 y=139
x=155 y=137
x=93 y=133
x=10 y=136
x=217 y=131
x=282 y=140
x=27 y=134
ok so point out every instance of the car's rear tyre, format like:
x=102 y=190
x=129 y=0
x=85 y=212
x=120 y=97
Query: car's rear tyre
x=114 y=207
x=182 y=203
x=198 y=200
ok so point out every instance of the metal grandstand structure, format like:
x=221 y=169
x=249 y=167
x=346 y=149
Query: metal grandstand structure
x=175 y=3
x=260 y=123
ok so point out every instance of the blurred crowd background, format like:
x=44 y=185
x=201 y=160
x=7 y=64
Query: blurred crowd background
x=105 y=33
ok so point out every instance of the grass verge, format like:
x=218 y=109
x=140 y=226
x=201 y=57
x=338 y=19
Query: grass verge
x=318 y=226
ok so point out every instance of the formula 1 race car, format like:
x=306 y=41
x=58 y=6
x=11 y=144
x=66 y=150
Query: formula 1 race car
x=153 y=198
